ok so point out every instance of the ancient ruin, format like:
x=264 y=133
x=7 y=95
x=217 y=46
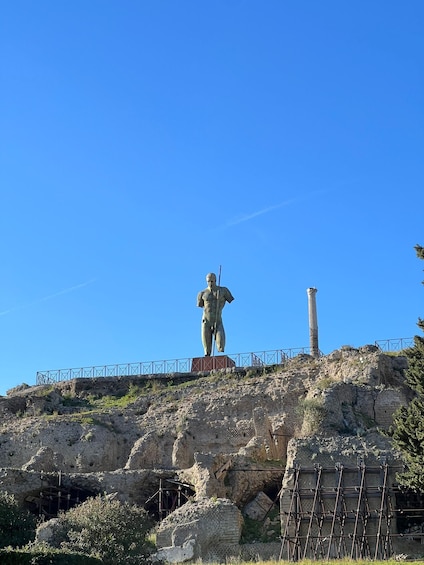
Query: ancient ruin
x=284 y=461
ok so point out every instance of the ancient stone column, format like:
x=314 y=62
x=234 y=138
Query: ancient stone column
x=313 y=322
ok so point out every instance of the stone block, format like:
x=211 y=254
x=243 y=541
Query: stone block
x=258 y=508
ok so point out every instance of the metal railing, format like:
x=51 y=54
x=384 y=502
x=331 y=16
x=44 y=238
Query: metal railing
x=395 y=344
x=256 y=359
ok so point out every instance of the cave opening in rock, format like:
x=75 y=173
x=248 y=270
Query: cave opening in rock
x=272 y=490
x=49 y=501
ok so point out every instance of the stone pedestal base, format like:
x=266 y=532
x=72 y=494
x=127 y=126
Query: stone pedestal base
x=211 y=363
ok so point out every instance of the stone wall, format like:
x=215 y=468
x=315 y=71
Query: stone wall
x=208 y=529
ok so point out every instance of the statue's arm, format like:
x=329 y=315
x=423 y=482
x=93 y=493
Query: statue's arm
x=200 y=302
x=228 y=296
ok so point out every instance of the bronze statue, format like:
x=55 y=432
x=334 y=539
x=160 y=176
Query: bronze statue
x=213 y=300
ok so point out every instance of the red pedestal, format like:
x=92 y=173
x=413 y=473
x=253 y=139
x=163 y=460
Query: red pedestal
x=211 y=363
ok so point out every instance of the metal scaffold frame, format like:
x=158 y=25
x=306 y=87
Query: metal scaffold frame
x=337 y=512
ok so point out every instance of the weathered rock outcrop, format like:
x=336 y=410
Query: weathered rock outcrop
x=209 y=529
x=227 y=435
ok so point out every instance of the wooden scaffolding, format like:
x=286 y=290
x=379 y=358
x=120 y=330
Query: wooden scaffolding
x=338 y=512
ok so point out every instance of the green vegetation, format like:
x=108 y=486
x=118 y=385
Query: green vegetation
x=313 y=413
x=113 y=531
x=163 y=391
x=112 y=401
x=408 y=423
x=325 y=383
x=324 y=562
x=98 y=531
x=46 y=556
x=17 y=526
x=46 y=391
x=364 y=420
x=69 y=400
x=267 y=530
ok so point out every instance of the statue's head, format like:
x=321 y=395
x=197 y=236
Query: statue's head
x=211 y=280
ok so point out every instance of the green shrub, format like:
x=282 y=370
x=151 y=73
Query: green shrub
x=17 y=525
x=46 y=556
x=115 y=532
x=313 y=412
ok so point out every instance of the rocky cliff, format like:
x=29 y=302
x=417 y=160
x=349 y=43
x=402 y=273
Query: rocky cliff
x=230 y=434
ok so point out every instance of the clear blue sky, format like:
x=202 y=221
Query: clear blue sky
x=146 y=143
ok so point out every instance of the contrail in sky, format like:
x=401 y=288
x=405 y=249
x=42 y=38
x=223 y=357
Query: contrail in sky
x=247 y=217
x=48 y=297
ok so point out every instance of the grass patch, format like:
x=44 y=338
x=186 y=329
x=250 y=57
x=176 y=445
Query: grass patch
x=313 y=412
x=72 y=401
x=112 y=401
x=46 y=390
x=325 y=383
x=324 y=562
x=84 y=418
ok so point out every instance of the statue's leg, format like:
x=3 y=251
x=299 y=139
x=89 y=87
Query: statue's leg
x=206 y=337
x=220 y=338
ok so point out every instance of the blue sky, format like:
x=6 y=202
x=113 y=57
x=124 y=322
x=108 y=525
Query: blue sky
x=146 y=143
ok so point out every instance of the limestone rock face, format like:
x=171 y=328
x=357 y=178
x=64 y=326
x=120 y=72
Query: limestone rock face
x=82 y=445
x=46 y=531
x=145 y=452
x=182 y=452
x=225 y=435
x=44 y=460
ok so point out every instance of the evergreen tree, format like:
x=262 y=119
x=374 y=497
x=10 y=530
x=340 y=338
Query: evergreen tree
x=415 y=354
x=408 y=423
